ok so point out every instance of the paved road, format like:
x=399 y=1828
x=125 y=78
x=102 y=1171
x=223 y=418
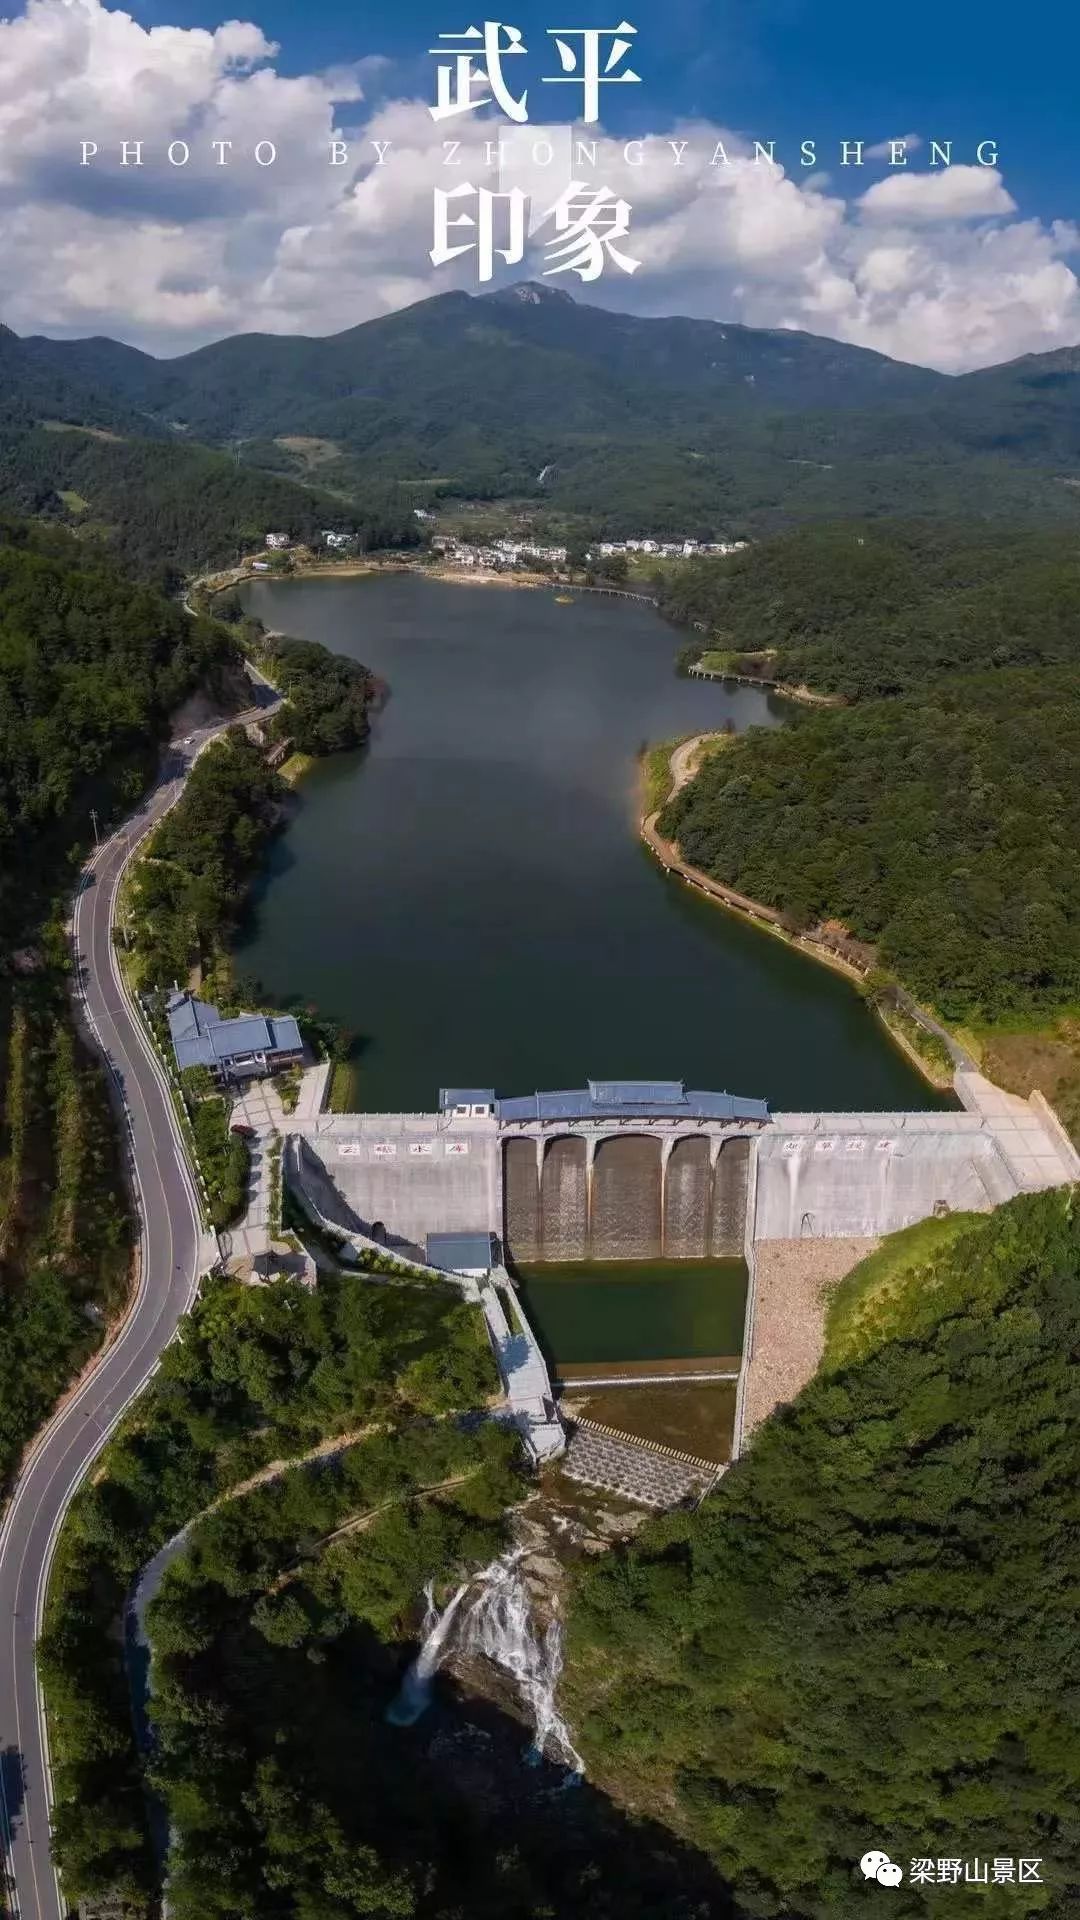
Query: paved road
x=174 y=1251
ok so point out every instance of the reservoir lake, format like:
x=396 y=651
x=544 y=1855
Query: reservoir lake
x=470 y=897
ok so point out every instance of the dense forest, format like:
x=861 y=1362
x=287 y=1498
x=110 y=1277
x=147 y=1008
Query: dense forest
x=188 y=887
x=259 y=1376
x=944 y=827
x=91 y=665
x=888 y=606
x=638 y=425
x=167 y=509
x=65 y=1233
x=329 y=696
x=869 y=1636
x=282 y=1633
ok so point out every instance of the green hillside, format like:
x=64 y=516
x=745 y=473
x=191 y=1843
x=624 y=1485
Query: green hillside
x=887 y=606
x=944 y=827
x=91 y=666
x=666 y=425
x=167 y=509
x=869 y=1636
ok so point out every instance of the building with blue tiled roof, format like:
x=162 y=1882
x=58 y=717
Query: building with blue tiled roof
x=251 y=1044
x=630 y=1099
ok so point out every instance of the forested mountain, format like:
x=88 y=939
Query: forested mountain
x=884 y=607
x=50 y=386
x=944 y=827
x=167 y=509
x=868 y=1636
x=1029 y=407
x=91 y=666
x=658 y=424
x=514 y=353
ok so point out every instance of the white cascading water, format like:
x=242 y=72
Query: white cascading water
x=498 y=1623
x=415 y=1690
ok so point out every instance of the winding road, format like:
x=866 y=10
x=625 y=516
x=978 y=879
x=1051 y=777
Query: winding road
x=174 y=1250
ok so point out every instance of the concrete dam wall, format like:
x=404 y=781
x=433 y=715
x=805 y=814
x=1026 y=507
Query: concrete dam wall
x=861 y=1180
x=631 y=1197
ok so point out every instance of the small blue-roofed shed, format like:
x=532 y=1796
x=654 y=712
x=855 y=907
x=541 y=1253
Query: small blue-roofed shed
x=468 y=1253
x=467 y=1100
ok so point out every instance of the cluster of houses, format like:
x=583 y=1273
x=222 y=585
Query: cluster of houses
x=523 y=553
x=669 y=549
x=337 y=542
x=501 y=553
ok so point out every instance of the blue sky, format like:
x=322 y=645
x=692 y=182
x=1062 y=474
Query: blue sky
x=954 y=269
x=784 y=68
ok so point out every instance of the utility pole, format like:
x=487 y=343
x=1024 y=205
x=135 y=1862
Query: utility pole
x=93 y=818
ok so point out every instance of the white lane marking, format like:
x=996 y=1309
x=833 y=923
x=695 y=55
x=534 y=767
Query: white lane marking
x=107 y=1359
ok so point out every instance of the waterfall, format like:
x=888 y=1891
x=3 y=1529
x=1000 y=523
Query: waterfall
x=415 y=1690
x=497 y=1622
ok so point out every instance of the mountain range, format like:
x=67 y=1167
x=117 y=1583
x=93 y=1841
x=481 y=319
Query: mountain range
x=617 y=423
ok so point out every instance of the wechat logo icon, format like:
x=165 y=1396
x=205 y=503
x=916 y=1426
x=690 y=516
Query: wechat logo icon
x=877 y=1866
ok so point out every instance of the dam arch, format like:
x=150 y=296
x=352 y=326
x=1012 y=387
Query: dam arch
x=731 y=1183
x=522 y=1221
x=564 y=1198
x=688 y=1199
x=626 y=1198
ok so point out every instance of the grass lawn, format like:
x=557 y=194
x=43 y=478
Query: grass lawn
x=863 y=1306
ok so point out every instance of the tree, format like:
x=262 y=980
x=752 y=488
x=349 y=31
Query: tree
x=869 y=1631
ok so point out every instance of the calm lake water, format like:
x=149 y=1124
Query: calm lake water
x=470 y=894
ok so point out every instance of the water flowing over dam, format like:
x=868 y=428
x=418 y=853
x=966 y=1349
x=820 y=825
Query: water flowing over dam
x=632 y=1197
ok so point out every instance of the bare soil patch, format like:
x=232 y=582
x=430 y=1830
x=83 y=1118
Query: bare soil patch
x=792 y=1281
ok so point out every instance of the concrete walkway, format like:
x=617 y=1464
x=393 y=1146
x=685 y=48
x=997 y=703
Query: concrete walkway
x=524 y=1376
x=260 y=1105
x=1028 y=1132
x=251 y=1238
x=260 y=1108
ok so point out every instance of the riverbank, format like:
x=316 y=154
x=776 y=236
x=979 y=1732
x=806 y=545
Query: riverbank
x=903 y=1024
x=716 y=664
x=309 y=566
x=510 y=746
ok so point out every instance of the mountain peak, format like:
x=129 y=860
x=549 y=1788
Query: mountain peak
x=531 y=293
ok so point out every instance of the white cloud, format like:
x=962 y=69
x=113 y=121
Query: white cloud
x=904 y=143
x=953 y=193
x=935 y=266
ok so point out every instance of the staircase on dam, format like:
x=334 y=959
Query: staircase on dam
x=637 y=1470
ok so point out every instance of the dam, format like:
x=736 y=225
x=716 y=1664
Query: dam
x=659 y=1203
x=651 y=1170
x=639 y=1170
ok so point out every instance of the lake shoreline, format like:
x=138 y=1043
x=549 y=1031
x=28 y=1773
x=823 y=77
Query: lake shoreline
x=502 y=700
x=683 y=764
